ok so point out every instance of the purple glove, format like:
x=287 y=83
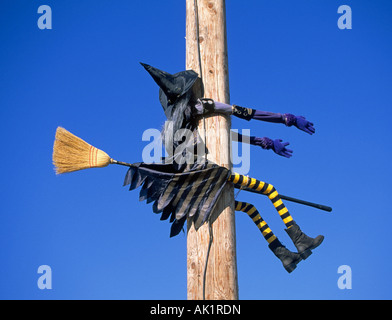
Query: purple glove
x=300 y=122
x=276 y=145
x=280 y=148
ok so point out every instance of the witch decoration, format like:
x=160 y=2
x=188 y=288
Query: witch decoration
x=188 y=191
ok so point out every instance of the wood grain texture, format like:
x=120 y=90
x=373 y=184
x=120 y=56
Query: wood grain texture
x=221 y=279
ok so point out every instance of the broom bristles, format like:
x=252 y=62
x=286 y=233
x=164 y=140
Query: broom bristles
x=70 y=153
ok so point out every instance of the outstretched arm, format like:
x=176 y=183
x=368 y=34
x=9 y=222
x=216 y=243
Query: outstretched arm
x=276 y=145
x=287 y=118
x=207 y=106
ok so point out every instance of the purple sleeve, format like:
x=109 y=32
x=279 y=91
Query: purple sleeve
x=249 y=113
x=238 y=137
x=265 y=143
x=268 y=116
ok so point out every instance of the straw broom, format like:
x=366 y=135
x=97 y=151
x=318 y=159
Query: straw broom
x=70 y=153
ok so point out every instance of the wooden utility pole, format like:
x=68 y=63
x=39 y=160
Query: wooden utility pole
x=209 y=26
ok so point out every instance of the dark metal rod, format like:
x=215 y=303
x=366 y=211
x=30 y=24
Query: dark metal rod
x=121 y=163
x=306 y=203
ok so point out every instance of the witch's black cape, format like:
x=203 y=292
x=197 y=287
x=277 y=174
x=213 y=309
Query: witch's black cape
x=179 y=192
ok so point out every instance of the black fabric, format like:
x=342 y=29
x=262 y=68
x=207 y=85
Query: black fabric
x=179 y=192
x=208 y=105
x=243 y=113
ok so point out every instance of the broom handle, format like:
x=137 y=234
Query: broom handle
x=307 y=203
x=120 y=163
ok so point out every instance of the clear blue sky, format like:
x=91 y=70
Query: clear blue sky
x=284 y=56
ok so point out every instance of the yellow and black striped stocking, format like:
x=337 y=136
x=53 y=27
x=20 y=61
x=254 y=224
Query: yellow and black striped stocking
x=252 y=212
x=244 y=182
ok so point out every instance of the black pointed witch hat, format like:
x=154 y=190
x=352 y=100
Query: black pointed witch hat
x=172 y=86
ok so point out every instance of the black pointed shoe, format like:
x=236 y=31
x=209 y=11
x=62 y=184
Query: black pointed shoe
x=289 y=259
x=302 y=242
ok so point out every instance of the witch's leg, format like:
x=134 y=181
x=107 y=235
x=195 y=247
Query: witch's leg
x=289 y=259
x=267 y=189
x=302 y=242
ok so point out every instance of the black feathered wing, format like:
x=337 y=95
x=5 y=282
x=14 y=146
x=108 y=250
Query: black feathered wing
x=179 y=193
